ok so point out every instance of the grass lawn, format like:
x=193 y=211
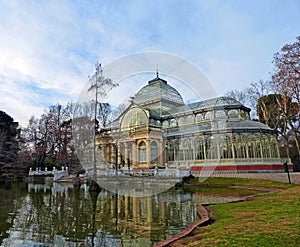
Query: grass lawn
x=268 y=220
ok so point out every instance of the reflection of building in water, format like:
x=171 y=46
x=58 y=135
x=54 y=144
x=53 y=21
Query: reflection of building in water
x=43 y=216
x=146 y=217
x=158 y=129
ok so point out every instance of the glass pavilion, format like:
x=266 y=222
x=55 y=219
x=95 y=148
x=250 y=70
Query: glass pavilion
x=159 y=130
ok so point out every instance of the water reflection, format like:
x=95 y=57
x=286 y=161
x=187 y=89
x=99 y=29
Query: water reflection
x=57 y=215
x=63 y=215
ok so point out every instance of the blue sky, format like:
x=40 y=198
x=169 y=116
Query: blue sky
x=48 y=48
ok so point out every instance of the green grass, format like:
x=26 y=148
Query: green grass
x=269 y=220
x=224 y=192
x=245 y=182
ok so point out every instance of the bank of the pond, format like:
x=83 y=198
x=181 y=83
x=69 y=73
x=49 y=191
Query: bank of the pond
x=268 y=220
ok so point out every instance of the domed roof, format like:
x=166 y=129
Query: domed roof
x=158 y=90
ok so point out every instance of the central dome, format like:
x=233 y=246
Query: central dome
x=158 y=92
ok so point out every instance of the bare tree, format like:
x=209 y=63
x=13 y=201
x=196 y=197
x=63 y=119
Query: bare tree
x=286 y=76
x=104 y=114
x=239 y=95
x=286 y=80
x=257 y=90
x=100 y=86
x=120 y=109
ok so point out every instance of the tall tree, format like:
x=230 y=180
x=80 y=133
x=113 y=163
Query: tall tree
x=50 y=137
x=269 y=111
x=250 y=95
x=9 y=134
x=286 y=80
x=255 y=91
x=100 y=86
x=286 y=76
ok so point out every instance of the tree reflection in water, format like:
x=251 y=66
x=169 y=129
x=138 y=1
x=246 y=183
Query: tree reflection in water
x=58 y=215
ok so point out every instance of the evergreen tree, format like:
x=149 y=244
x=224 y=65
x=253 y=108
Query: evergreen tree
x=9 y=133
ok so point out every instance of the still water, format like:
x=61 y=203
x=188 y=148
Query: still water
x=61 y=215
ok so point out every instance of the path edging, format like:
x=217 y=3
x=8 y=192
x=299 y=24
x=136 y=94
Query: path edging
x=203 y=212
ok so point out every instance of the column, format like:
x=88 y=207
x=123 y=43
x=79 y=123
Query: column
x=232 y=147
x=119 y=155
x=135 y=208
x=149 y=209
x=204 y=147
x=126 y=207
x=133 y=153
x=112 y=154
x=125 y=154
x=148 y=154
x=161 y=152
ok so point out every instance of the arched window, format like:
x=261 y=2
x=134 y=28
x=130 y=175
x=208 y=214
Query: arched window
x=220 y=114
x=257 y=146
x=154 y=151
x=190 y=119
x=173 y=150
x=266 y=146
x=181 y=121
x=274 y=147
x=200 y=150
x=211 y=148
x=233 y=114
x=251 y=146
x=170 y=147
x=142 y=151
x=133 y=118
x=188 y=150
x=165 y=124
x=208 y=115
x=225 y=147
x=199 y=117
x=239 y=146
x=173 y=123
x=180 y=154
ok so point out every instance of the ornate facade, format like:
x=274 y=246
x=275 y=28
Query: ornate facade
x=159 y=130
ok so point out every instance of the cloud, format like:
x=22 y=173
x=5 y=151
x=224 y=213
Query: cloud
x=48 y=48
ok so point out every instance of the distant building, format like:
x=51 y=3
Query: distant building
x=159 y=130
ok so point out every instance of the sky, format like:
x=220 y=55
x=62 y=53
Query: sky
x=49 y=48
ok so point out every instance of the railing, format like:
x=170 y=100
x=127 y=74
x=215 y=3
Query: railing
x=176 y=173
x=187 y=163
x=57 y=174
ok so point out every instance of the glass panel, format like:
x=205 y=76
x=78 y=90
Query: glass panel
x=154 y=152
x=220 y=114
x=199 y=117
x=200 y=150
x=133 y=118
x=233 y=114
x=142 y=151
x=173 y=123
x=190 y=119
x=208 y=115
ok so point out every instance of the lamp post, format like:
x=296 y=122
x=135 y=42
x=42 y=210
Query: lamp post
x=286 y=169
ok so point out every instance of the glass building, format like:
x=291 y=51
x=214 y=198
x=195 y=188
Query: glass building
x=159 y=130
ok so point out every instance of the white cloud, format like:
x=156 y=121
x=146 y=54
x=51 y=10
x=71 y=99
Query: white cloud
x=49 y=48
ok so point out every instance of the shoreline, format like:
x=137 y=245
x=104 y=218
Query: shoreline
x=205 y=215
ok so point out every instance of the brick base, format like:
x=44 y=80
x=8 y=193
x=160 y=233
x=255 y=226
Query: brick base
x=241 y=168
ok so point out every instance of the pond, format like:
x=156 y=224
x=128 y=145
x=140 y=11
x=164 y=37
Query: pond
x=61 y=215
